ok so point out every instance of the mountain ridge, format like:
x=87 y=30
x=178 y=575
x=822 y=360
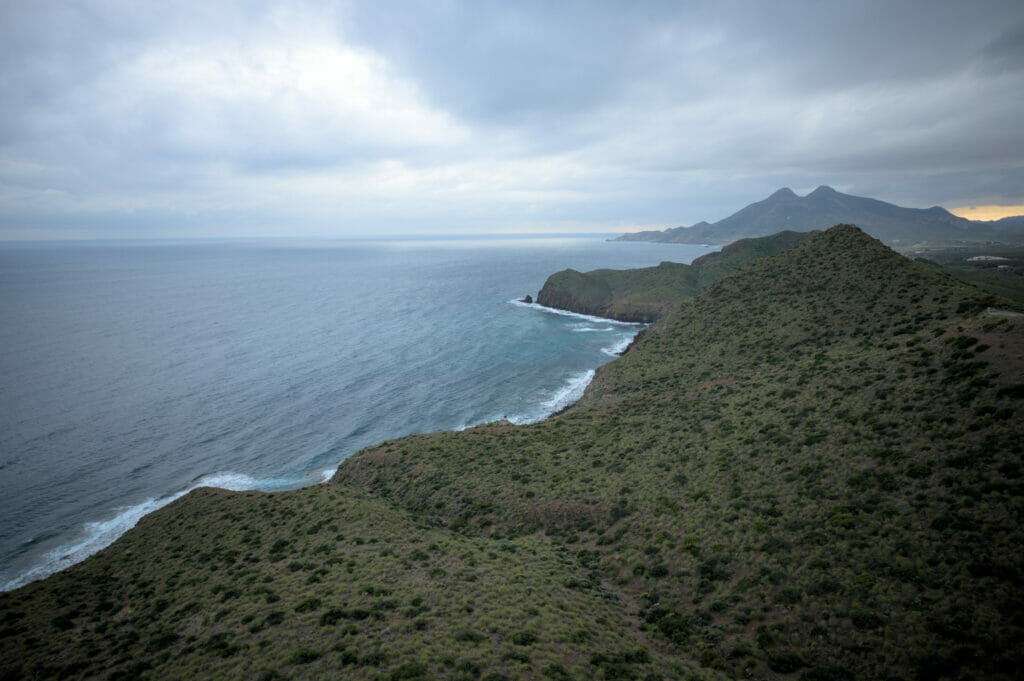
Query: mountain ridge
x=896 y=226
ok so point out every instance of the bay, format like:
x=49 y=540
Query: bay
x=131 y=372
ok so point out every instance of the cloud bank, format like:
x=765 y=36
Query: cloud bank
x=225 y=119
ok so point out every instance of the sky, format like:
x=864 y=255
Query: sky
x=121 y=119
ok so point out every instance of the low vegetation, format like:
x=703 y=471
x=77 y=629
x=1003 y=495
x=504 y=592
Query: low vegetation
x=810 y=470
x=645 y=294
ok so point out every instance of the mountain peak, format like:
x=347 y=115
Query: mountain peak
x=784 y=193
x=824 y=206
x=823 y=190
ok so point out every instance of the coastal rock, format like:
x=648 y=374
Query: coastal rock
x=528 y=300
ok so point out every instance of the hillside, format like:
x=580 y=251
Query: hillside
x=996 y=269
x=645 y=294
x=899 y=227
x=811 y=469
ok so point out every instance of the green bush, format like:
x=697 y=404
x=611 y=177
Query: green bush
x=784 y=662
x=829 y=672
x=409 y=671
x=304 y=656
x=864 y=619
x=469 y=636
x=308 y=605
x=524 y=638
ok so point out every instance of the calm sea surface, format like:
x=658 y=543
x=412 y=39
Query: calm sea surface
x=131 y=372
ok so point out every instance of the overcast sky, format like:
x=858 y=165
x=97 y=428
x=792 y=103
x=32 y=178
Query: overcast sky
x=218 y=118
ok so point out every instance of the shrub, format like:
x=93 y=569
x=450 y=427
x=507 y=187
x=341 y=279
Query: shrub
x=331 y=617
x=788 y=596
x=469 y=636
x=219 y=645
x=709 y=657
x=270 y=675
x=303 y=656
x=372 y=659
x=864 y=619
x=556 y=672
x=829 y=672
x=308 y=605
x=784 y=662
x=409 y=671
x=62 y=623
x=524 y=638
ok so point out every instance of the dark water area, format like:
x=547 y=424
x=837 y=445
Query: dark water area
x=131 y=372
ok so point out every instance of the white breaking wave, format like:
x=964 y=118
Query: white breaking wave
x=566 y=313
x=618 y=348
x=567 y=395
x=100 y=535
x=584 y=329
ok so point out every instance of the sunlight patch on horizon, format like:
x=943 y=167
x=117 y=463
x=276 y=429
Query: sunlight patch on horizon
x=988 y=212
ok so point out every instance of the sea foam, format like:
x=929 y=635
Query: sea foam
x=619 y=347
x=577 y=315
x=567 y=395
x=97 y=536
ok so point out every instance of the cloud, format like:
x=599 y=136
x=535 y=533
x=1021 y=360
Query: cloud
x=494 y=115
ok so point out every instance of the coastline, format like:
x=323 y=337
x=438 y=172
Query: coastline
x=615 y=351
x=94 y=536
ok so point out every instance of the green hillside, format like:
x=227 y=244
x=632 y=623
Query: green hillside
x=810 y=470
x=645 y=294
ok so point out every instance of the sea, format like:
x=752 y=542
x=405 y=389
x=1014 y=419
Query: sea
x=134 y=371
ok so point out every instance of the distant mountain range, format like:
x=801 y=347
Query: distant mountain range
x=901 y=228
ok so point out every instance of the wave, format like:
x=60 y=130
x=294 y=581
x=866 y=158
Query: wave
x=577 y=315
x=619 y=347
x=566 y=396
x=583 y=329
x=99 y=535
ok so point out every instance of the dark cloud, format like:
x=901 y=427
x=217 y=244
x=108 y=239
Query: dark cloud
x=582 y=113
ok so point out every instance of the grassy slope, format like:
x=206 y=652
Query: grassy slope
x=811 y=468
x=645 y=294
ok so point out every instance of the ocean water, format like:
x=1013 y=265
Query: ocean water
x=132 y=372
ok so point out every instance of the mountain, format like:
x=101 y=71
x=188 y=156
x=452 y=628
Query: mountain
x=1012 y=222
x=899 y=227
x=812 y=469
x=645 y=294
